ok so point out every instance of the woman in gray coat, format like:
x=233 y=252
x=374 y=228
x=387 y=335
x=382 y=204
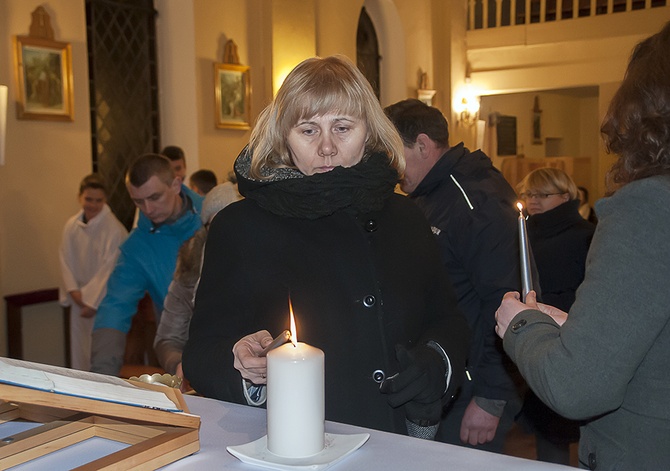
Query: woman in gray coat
x=608 y=360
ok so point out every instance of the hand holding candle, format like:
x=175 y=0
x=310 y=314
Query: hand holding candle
x=524 y=250
x=295 y=398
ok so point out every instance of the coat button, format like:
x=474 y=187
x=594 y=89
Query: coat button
x=371 y=225
x=369 y=301
x=519 y=324
x=592 y=461
x=378 y=376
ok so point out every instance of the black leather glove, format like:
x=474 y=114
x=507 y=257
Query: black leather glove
x=419 y=385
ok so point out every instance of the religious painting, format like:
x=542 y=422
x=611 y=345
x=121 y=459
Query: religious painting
x=44 y=79
x=233 y=96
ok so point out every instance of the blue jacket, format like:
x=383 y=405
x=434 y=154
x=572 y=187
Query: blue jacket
x=146 y=263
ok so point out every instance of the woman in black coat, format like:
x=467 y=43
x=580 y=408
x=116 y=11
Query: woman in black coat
x=559 y=238
x=321 y=223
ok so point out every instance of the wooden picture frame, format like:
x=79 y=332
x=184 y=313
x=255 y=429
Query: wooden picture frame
x=154 y=438
x=44 y=79
x=232 y=89
x=150 y=446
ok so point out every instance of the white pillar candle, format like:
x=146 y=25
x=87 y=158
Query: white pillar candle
x=524 y=249
x=295 y=400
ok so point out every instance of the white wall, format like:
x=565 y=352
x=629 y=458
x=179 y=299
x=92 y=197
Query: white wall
x=564 y=117
x=44 y=160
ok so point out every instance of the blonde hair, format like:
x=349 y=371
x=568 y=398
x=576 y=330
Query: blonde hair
x=549 y=180
x=315 y=87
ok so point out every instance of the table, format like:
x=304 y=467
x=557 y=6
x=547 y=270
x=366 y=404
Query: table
x=224 y=424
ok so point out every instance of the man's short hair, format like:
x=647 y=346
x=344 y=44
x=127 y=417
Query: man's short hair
x=147 y=166
x=92 y=181
x=413 y=117
x=205 y=180
x=173 y=153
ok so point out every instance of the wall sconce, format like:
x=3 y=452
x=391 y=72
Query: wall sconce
x=467 y=104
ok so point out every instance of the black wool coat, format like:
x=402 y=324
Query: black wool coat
x=560 y=239
x=472 y=211
x=359 y=284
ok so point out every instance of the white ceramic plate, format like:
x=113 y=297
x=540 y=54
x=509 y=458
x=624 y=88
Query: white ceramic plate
x=335 y=449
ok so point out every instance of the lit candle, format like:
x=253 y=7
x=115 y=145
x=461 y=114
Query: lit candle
x=526 y=277
x=295 y=398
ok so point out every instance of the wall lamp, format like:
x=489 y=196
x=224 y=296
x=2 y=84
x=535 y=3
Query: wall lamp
x=467 y=105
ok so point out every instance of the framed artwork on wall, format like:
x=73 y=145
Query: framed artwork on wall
x=232 y=89
x=44 y=79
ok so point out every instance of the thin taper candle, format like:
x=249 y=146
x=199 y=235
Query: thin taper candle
x=524 y=250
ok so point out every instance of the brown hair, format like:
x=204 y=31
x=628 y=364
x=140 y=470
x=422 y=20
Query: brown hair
x=147 y=166
x=93 y=181
x=636 y=126
x=413 y=117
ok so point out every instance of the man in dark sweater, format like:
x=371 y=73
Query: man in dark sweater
x=471 y=210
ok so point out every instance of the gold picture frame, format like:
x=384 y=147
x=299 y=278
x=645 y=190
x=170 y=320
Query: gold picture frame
x=232 y=88
x=44 y=79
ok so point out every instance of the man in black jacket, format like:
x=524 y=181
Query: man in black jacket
x=471 y=210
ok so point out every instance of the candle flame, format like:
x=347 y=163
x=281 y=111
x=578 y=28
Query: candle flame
x=294 y=335
x=520 y=206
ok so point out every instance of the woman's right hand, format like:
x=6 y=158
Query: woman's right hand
x=248 y=361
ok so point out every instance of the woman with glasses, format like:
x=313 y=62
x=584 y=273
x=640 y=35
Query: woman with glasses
x=559 y=238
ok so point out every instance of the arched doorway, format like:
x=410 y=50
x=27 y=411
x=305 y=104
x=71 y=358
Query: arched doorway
x=367 y=51
x=388 y=28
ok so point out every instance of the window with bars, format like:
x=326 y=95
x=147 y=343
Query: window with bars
x=367 y=51
x=123 y=82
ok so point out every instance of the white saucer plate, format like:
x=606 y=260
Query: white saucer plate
x=336 y=448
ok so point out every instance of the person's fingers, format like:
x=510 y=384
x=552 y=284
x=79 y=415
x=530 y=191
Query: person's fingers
x=465 y=434
x=512 y=295
x=531 y=299
x=474 y=438
x=266 y=339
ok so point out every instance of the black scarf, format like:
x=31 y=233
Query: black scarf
x=287 y=192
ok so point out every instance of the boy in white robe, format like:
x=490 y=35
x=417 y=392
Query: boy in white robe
x=88 y=253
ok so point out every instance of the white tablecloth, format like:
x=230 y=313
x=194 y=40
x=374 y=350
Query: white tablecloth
x=225 y=424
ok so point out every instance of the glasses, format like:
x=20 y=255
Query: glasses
x=542 y=196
